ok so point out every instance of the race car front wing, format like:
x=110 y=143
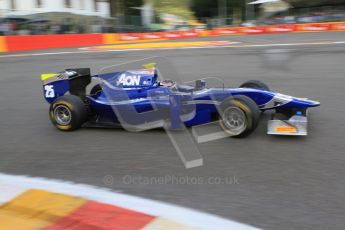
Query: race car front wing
x=296 y=125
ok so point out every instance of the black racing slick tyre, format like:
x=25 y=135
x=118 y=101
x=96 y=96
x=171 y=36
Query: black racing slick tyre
x=239 y=116
x=68 y=113
x=254 y=84
x=96 y=89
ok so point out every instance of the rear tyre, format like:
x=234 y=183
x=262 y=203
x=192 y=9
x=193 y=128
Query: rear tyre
x=68 y=113
x=254 y=84
x=239 y=116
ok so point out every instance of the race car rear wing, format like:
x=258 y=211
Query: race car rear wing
x=73 y=81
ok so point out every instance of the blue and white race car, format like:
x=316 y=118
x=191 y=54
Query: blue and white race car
x=138 y=100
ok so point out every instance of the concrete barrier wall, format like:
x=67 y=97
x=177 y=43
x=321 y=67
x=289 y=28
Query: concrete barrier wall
x=39 y=42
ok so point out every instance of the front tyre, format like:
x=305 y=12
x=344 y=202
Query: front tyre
x=96 y=90
x=255 y=84
x=239 y=116
x=68 y=113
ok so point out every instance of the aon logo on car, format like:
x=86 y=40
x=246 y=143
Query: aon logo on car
x=131 y=80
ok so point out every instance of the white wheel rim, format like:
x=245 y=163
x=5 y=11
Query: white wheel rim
x=62 y=115
x=234 y=120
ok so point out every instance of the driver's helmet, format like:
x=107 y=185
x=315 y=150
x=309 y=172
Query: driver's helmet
x=167 y=83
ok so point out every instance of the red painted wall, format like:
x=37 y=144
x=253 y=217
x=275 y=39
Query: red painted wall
x=35 y=42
